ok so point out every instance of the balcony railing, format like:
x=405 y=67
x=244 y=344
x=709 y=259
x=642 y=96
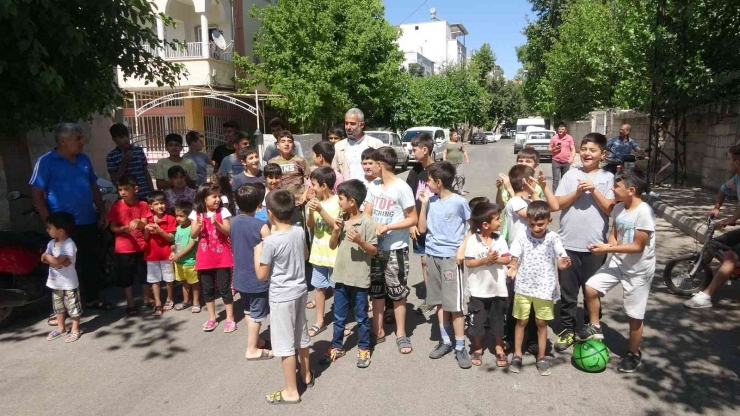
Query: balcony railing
x=195 y=50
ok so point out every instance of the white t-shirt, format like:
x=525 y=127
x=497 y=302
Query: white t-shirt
x=583 y=223
x=640 y=218
x=370 y=185
x=536 y=275
x=516 y=225
x=389 y=201
x=354 y=158
x=224 y=214
x=66 y=277
x=486 y=281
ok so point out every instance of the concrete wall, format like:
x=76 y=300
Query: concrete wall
x=429 y=40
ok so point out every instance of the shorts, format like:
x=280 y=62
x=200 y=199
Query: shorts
x=288 y=328
x=490 y=311
x=389 y=272
x=184 y=273
x=544 y=309
x=158 y=271
x=420 y=244
x=130 y=268
x=636 y=289
x=321 y=277
x=446 y=284
x=730 y=239
x=67 y=301
x=257 y=304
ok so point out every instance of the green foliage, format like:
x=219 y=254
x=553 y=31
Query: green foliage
x=324 y=57
x=482 y=62
x=59 y=58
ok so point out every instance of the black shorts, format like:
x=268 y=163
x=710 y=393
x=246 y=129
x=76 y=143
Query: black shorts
x=487 y=311
x=389 y=271
x=130 y=268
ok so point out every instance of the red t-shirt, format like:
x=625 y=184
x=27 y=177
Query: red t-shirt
x=159 y=248
x=122 y=214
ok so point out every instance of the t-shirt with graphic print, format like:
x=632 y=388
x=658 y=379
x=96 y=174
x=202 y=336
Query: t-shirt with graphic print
x=627 y=221
x=486 y=281
x=536 y=275
x=295 y=174
x=389 y=203
x=63 y=278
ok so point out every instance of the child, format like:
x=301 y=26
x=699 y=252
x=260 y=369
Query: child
x=323 y=154
x=422 y=146
x=128 y=218
x=632 y=240
x=250 y=159
x=60 y=255
x=295 y=171
x=443 y=218
x=323 y=210
x=526 y=156
x=173 y=142
x=391 y=205
x=232 y=165
x=160 y=235
x=183 y=258
x=371 y=170
x=524 y=186
x=486 y=253
x=246 y=232
x=273 y=177
x=180 y=191
x=195 y=153
x=585 y=195
x=213 y=259
x=336 y=134
x=281 y=258
x=533 y=256
x=355 y=236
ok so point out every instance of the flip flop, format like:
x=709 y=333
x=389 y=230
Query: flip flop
x=54 y=335
x=310 y=305
x=316 y=330
x=157 y=311
x=72 y=337
x=209 y=326
x=375 y=340
x=502 y=361
x=229 y=327
x=264 y=355
x=310 y=383
x=277 y=398
x=182 y=306
x=168 y=305
x=476 y=356
x=195 y=309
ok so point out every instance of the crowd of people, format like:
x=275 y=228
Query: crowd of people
x=253 y=228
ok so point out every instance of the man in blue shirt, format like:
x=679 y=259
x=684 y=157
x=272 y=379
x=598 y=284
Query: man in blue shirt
x=63 y=180
x=128 y=160
x=622 y=146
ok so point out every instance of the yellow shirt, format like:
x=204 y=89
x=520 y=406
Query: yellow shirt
x=321 y=254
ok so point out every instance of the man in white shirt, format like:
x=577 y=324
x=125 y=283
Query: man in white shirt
x=348 y=152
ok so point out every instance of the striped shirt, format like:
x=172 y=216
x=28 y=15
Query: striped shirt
x=137 y=166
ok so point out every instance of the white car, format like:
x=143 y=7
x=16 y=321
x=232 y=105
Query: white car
x=539 y=140
x=393 y=140
x=439 y=135
x=492 y=138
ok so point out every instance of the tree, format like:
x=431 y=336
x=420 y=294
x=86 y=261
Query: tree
x=324 y=57
x=482 y=63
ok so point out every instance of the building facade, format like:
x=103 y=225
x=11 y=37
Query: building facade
x=437 y=41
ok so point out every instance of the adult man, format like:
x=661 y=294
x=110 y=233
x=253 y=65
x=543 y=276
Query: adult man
x=63 y=180
x=223 y=150
x=348 y=152
x=126 y=159
x=276 y=127
x=620 y=147
x=563 y=149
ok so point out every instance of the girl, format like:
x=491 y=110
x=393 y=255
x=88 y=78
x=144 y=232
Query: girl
x=179 y=191
x=336 y=134
x=213 y=259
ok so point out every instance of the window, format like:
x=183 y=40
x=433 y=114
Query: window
x=396 y=140
x=439 y=134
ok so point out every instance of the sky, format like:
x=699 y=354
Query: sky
x=498 y=22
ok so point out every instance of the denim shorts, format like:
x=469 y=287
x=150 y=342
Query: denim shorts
x=321 y=277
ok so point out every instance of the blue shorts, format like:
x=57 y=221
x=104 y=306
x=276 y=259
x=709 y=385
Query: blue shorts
x=257 y=304
x=321 y=277
x=420 y=245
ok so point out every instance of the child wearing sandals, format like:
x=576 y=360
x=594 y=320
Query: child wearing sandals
x=60 y=255
x=160 y=234
x=211 y=224
x=183 y=258
x=486 y=254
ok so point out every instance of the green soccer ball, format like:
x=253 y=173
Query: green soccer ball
x=591 y=356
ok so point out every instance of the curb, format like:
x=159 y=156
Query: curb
x=679 y=219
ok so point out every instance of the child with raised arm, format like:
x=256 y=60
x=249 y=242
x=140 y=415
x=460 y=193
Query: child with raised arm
x=281 y=258
x=524 y=186
x=183 y=258
x=160 y=234
x=533 y=257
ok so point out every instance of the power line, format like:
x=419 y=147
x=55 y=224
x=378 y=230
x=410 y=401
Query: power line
x=412 y=13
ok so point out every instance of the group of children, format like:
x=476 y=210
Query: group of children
x=359 y=252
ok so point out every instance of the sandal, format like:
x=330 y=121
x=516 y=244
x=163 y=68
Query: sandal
x=277 y=398
x=502 y=361
x=310 y=383
x=229 y=327
x=347 y=332
x=131 y=311
x=311 y=305
x=264 y=355
x=403 y=343
x=182 y=306
x=374 y=340
x=157 y=311
x=72 y=337
x=195 y=309
x=54 y=335
x=169 y=305
x=209 y=326
x=316 y=330
x=476 y=357
x=52 y=320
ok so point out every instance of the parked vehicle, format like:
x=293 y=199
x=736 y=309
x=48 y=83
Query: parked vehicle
x=521 y=130
x=439 y=135
x=478 y=137
x=492 y=138
x=614 y=165
x=539 y=140
x=393 y=140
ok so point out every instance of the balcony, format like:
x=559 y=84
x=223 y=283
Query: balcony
x=195 y=50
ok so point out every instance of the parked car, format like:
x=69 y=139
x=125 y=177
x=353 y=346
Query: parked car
x=393 y=140
x=478 y=137
x=492 y=138
x=439 y=135
x=539 y=140
x=522 y=126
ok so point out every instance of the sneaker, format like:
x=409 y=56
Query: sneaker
x=543 y=366
x=630 y=362
x=440 y=350
x=515 y=366
x=589 y=331
x=363 y=358
x=463 y=358
x=564 y=341
x=698 y=301
x=332 y=355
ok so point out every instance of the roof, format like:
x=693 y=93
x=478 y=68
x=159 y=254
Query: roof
x=458 y=27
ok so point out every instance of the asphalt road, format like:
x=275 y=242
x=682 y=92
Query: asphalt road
x=167 y=365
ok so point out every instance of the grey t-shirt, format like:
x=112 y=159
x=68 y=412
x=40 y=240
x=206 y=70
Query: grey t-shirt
x=352 y=267
x=583 y=223
x=285 y=250
x=231 y=165
x=201 y=160
x=640 y=218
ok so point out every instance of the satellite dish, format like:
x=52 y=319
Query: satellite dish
x=218 y=39
x=433 y=11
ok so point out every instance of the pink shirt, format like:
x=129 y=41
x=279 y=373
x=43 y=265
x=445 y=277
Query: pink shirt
x=566 y=149
x=214 y=248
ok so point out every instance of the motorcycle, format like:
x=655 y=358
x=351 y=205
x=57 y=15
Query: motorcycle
x=614 y=165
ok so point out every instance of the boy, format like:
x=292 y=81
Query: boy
x=128 y=219
x=180 y=191
x=357 y=245
x=281 y=258
x=323 y=210
x=232 y=165
x=173 y=142
x=295 y=170
x=533 y=256
x=197 y=156
x=393 y=209
x=250 y=159
x=632 y=242
x=585 y=195
x=323 y=155
x=529 y=157
x=246 y=232
x=273 y=177
x=524 y=186
x=443 y=218
x=60 y=255
x=422 y=146
x=371 y=170
x=183 y=258
x=160 y=235
x=126 y=159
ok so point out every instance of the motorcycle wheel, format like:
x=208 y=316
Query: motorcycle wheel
x=6 y=316
x=678 y=280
